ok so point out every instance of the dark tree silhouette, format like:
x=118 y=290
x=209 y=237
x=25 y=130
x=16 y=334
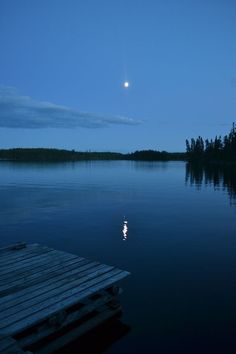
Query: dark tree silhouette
x=213 y=150
x=57 y=155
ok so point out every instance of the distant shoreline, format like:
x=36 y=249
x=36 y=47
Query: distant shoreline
x=61 y=155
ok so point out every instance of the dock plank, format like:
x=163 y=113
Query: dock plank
x=14 y=246
x=9 y=345
x=24 y=272
x=54 y=296
x=76 y=278
x=16 y=256
x=36 y=258
x=31 y=280
x=78 y=331
x=50 y=283
x=62 y=301
x=38 y=283
x=5 y=343
x=90 y=306
x=24 y=262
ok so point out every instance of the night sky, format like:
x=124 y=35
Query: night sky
x=63 y=64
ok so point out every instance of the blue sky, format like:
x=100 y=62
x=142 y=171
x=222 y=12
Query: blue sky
x=63 y=62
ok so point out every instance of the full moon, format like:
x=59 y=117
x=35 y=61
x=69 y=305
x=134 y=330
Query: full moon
x=126 y=84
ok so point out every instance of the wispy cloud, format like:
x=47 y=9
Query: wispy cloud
x=18 y=111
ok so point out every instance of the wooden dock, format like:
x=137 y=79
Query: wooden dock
x=49 y=298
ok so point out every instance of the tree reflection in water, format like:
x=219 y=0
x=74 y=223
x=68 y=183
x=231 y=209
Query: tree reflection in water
x=219 y=176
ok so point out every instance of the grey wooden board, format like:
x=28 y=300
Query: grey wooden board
x=44 y=274
x=7 y=268
x=26 y=260
x=21 y=311
x=9 y=346
x=48 y=284
x=16 y=247
x=34 y=279
x=36 y=258
x=35 y=268
x=6 y=342
x=46 y=330
x=75 y=333
x=42 y=293
x=82 y=274
x=11 y=251
x=13 y=246
x=40 y=278
x=18 y=255
x=63 y=301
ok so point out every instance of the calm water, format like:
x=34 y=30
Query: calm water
x=180 y=246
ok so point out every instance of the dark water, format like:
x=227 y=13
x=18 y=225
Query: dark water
x=180 y=246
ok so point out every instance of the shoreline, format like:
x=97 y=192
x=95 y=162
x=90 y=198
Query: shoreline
x=59 y=155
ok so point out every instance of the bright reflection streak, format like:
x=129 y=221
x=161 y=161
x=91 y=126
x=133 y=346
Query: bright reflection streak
x=125 y=230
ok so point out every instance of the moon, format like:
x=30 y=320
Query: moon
x=126 y=84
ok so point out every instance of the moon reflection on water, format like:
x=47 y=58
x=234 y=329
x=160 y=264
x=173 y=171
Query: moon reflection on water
x=125 y=230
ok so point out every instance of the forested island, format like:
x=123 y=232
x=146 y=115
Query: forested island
x=44 y=154
x=197 y=150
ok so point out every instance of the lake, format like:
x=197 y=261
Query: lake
x=180 y=246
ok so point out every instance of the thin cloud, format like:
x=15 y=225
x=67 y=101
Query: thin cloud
x=18 y=111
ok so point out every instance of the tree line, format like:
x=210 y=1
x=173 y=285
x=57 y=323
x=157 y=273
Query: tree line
x=215 y=149
x=218 y=149
x=44 y=155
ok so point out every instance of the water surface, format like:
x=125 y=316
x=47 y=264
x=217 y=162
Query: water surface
x=180 y=246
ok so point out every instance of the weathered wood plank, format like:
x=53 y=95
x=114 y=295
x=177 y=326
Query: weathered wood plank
x=6 y=342
x=15 y=256
x=47 y=284
x=14 y=246
x=73 y=334
x=76 y=278
x=64 y=301
x=10 y=262
x=39 y=288
x=35 y=259
x=35 y=268
x=21 y=311
x=24 y=263
x=47 y=330
x=9 y=345
x=31 y=280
